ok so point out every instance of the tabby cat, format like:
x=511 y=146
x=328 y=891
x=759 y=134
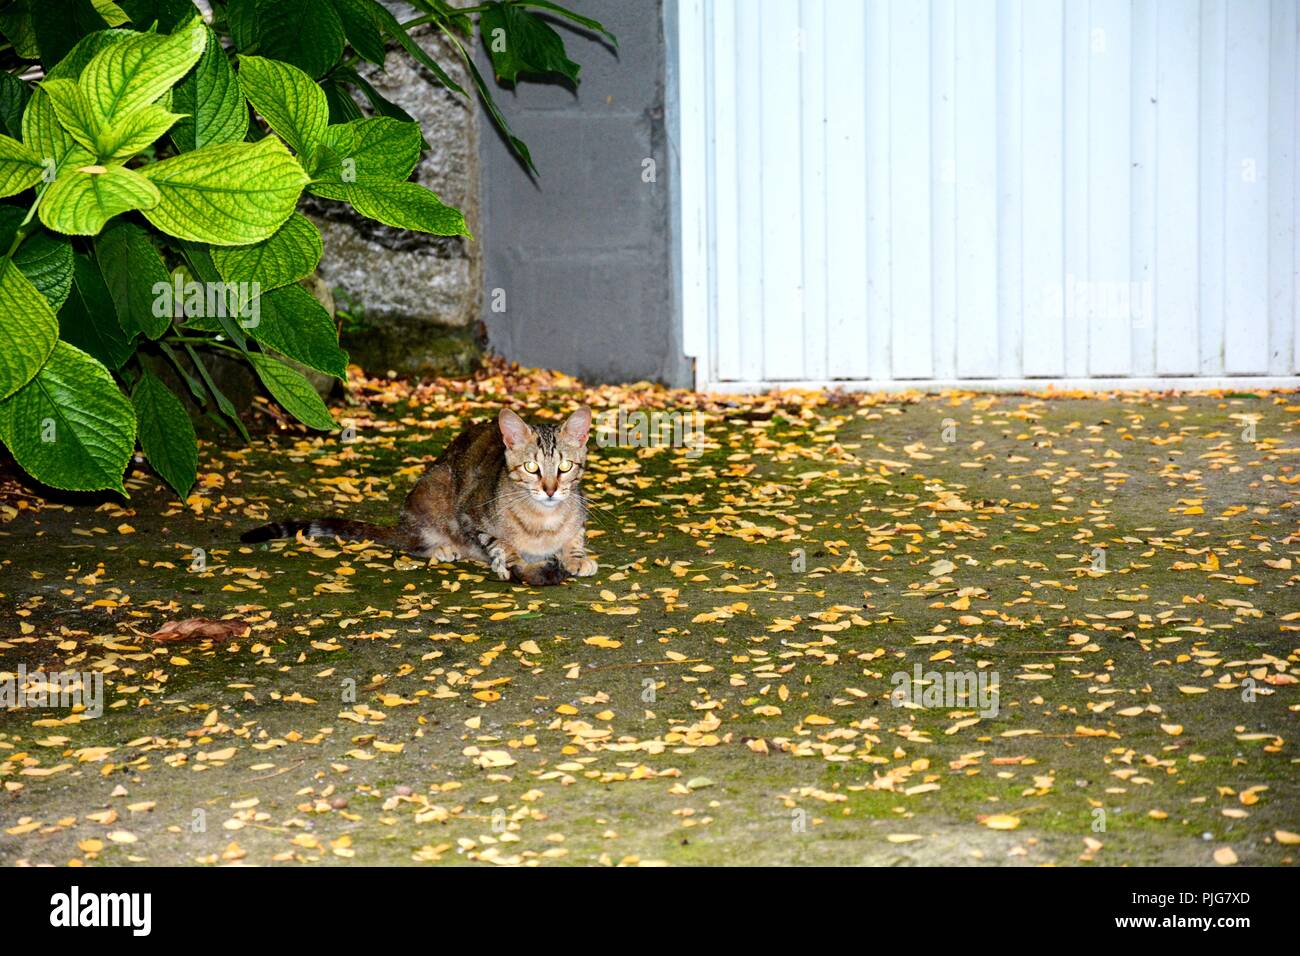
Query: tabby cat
x=505 y=493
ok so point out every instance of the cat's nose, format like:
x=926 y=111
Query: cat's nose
x=550 y=488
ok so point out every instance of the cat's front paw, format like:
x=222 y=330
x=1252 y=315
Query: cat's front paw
x=584 y=568
x=501 y=569
x=445 y=554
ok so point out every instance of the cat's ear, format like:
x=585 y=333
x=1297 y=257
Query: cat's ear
x=577 y=426
x=514 y=429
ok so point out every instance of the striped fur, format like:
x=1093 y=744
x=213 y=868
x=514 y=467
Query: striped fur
x=343 y=528
x=504 y=493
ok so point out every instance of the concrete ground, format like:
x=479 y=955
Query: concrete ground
x=892 y=630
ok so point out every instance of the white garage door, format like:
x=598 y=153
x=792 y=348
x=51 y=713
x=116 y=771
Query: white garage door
x=905 y=191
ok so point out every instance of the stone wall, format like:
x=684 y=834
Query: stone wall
x=414 y=299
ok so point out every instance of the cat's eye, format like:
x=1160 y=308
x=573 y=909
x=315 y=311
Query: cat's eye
x=531 y=467
x=566 y=465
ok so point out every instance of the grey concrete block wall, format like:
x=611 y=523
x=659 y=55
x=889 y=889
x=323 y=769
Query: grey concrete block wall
x=583 y=254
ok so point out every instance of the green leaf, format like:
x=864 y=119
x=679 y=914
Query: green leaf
x=45 y=137
x=70 y=67
x=207 y=301
x=292 y=322
x=197 y=390
x=133 y=132
x=113 y=14
x=287 y=98
x=519 y=42
x=70 y=426
x=168 y=14
x=212 y=97
x=16 y=25
x=166 y=433
x=127 y=75
x=228 y=195
x=587 y=22
x=218 y=395
x=132 y=271
x=343 y=108
x=88 y=319
x=291 y=254
x=376 y=148
x=60 y=25
x=306 y=33
x=73 y=108
x=45 y=260
x=20 y=167
x=362 y=28
x=402 y=205
x=378 y=102
x=80 y=201
x=199 y=259
x=28 y=329
x=14 y=94
x=489 y=104
x=294 y=393
x=398 y=33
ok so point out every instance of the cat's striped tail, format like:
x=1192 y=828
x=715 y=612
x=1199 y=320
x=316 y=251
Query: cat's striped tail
x=333 y=527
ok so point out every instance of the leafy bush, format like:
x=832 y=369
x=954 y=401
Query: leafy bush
x=155 y=221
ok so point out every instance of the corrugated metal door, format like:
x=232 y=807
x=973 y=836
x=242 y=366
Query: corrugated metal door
x=944 y=190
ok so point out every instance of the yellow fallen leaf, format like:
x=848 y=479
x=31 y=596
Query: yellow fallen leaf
x=1001 y=821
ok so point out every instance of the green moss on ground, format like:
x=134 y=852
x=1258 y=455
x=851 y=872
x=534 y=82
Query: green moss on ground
x=721 y=692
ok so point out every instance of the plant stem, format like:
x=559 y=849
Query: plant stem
x=20 y=233
x=200 y=340
x=421 y=20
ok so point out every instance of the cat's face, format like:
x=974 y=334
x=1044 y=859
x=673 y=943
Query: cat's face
x=546 y=461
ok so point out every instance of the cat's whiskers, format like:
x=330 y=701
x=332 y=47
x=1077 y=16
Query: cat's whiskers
x=509 y=495
x=593 y=511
